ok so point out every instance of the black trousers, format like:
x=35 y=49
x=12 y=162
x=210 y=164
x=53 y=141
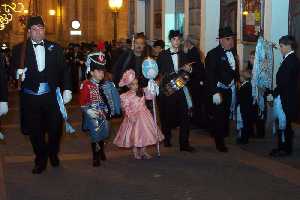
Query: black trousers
x=183 y=132
x=173 y=112
x=41 y=115
x=247 y=129
x=199 y=117
x=221 y=121
x=260 y=122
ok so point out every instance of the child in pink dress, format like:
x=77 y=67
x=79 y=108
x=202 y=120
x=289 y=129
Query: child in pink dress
x=138 y=129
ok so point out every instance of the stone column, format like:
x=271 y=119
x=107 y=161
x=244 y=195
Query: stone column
x=140 y=20
x=276 y=25
x=168 y=18
x=151 y=15
x=210 y=22
x=194 y=20
x=186 y=16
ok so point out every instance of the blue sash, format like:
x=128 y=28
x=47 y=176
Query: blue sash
x=44 y=88
x=62 y=108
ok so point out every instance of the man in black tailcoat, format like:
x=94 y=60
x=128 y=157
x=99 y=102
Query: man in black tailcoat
x=44 y=71
x=286 y=97
x=174 y=109
x=222 y=73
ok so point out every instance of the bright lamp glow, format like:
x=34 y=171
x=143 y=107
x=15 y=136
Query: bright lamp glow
x=75 y=24
x=245 y=13
x=52 y=12
x=25 y=11
x=76 y=33
x=115 y=4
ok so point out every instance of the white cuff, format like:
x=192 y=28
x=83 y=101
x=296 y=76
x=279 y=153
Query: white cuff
x=217 y=99
x=21 y=72
x=1 y=136
x=3 y=108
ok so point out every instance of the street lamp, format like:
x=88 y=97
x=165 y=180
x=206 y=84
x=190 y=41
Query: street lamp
x=52 y=12
x=115 y=6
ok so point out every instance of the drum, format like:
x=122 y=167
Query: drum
x=173 y=82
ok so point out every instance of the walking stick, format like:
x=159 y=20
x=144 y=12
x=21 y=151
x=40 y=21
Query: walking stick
x=24 y=46
x=150 y=71
x=155 y=120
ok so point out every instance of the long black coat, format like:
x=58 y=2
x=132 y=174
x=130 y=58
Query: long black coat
x=218 y=69
x=172 y=108
x=198 y=72
x=287 y=80
x=3 y=81
x=57 y=72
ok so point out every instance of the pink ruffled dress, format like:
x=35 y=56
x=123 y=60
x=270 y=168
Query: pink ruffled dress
x=138 y=128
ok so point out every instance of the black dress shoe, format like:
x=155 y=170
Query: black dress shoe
x=38 y=169
x=222 y=149
x=96 y=162
x=188 y=149
x=54 y=160
x=274 y=152
x=279 y=153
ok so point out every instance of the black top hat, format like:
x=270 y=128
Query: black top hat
x=174 y=33
x=226 y=32
x=35 y=20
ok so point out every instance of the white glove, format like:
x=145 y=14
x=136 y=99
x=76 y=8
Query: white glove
x=270 y=98
x=3 y=108
x=1 y=136
x=92 y=113
x=217 y=99
x=21 y=72
x=67 y=96
x=255 y=100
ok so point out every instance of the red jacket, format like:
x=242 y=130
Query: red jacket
x=89 y=93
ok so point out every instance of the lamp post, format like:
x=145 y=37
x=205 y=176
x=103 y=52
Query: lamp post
x=115 y=6
x=52 y=12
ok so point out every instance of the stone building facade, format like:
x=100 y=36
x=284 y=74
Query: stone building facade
x=194 y=20
x=94 y=16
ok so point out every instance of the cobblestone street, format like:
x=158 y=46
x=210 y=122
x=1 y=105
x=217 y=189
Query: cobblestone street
x=244 y=173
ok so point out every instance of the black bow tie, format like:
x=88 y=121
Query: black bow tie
x=41 y=44
x=174 y=53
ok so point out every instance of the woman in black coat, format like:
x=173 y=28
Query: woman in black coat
x=287 y=79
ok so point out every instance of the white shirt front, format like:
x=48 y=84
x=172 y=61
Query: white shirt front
x=175 y=60
x=231 y=59
x=40 y=56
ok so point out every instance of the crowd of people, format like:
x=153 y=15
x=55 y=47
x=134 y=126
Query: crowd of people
x=110 y=81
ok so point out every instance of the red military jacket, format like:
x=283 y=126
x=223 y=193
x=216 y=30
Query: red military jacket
x=89 y=94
